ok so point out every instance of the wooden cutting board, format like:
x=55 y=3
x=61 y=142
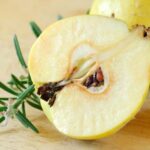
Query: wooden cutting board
x=14 y=18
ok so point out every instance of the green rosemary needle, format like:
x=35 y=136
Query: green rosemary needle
x=18 y=51
x=7 y=89
x=3 y=108
x=25 y=121
x=23 y=95
x=35 y=28
x=2 y=119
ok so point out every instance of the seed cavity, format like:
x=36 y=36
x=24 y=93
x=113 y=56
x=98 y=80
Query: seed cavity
x=95 y=80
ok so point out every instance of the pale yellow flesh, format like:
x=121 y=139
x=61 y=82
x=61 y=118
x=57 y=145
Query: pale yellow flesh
x=131 y=11
x=79 y=114
x=49 y=59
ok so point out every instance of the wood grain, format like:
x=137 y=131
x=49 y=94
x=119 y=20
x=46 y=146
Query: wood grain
x=14 y=18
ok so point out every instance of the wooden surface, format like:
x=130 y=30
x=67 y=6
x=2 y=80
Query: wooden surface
x=14 y=18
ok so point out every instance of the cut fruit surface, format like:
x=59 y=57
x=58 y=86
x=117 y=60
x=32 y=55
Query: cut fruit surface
x=92 y=81
x=56 y=44
x=81 y=114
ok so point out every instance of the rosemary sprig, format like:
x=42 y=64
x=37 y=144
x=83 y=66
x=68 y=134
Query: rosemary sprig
x=22 y=89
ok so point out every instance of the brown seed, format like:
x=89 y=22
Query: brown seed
x=89 y=81
x=99 y=75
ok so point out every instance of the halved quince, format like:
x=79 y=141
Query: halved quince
x=92 y=74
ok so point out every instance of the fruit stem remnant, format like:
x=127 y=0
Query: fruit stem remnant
x=49 y=91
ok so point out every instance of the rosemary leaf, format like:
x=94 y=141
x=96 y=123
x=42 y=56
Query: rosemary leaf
x=15 y=85
x=2 y=103
x=35 y=28
x=23 y=109
x=7 y=89
x=23 y=95
x=34 y=105
x=36 y=97
x=21 y=119
x=12 y=83
x=29 y=80
x=4 y=99
x=17 y=81
x=2 y=119
x=25 y=121
x=4 y=108
x=37 y=101
x=19 y=53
